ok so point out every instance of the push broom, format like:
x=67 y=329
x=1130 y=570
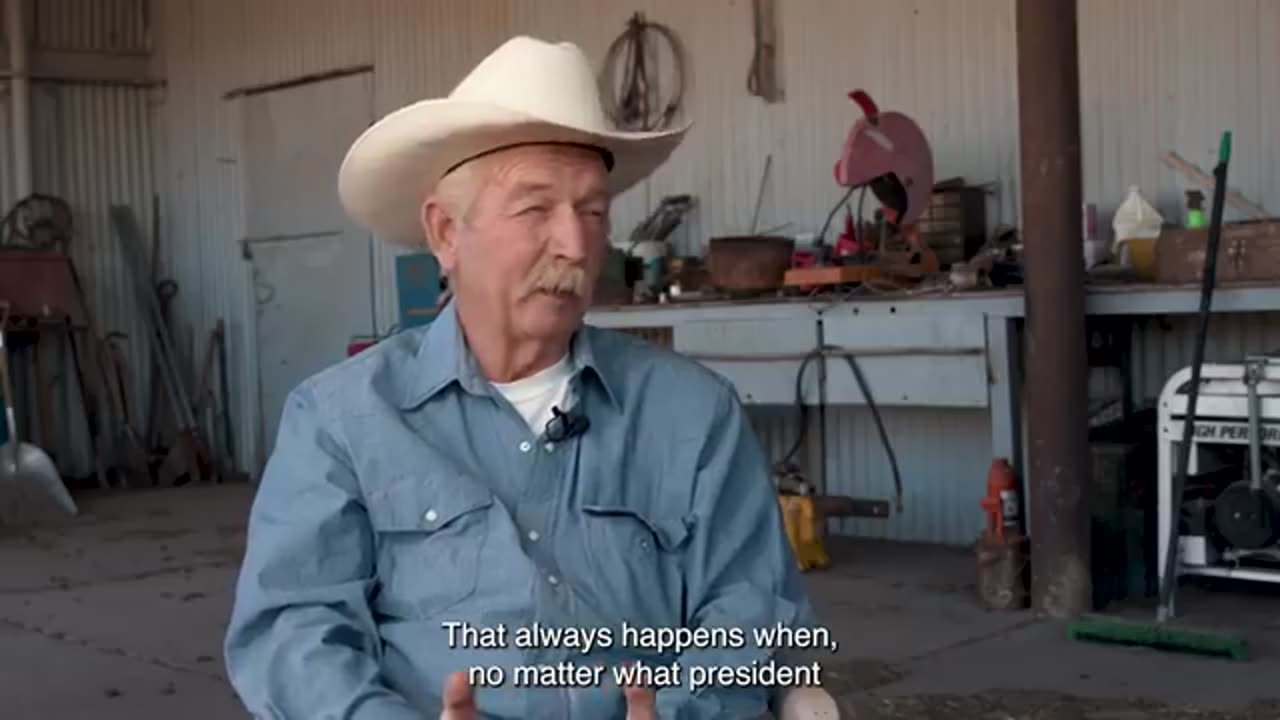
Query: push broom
x=1162 y=635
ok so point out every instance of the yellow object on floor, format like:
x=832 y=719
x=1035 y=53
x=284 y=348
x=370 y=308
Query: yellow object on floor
x=803 y=523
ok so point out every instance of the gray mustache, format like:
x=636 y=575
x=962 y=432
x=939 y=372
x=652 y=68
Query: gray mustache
x=561 y=278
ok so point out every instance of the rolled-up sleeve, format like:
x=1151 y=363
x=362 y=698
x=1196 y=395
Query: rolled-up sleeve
x=302 y=642
x=740 y=570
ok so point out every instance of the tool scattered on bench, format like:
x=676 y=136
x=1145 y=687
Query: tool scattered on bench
x=888 y=153
x=31 y=488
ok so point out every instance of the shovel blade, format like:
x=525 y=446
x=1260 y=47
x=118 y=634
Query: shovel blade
x=30 y=487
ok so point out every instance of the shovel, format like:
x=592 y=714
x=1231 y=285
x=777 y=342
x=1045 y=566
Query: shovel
x=30 y=486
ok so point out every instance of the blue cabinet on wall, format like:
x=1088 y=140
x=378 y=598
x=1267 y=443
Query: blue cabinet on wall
x=418 y=288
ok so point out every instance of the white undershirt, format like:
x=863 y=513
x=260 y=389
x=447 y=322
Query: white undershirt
x=535 y=395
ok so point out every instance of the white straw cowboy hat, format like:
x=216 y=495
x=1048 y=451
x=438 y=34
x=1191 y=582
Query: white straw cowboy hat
x=526 y=91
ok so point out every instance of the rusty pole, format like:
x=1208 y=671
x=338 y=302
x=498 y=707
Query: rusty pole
x=1056 y=378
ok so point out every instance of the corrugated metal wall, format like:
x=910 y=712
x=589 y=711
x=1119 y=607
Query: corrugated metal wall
x=1172 y=75
x=1162 y=347
x=92 y=146
x=942 y=455
x=115 y=27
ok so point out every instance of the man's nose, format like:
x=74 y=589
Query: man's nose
x=570 y=236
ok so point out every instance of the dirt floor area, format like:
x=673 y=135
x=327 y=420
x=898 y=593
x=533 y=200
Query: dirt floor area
x=119 y=614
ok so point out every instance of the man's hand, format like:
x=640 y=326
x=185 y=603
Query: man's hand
x=640 y=703
x=459 y=701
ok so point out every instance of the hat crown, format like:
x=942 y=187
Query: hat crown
x=551 y=81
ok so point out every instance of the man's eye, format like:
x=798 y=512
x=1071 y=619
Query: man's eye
x=531 y=209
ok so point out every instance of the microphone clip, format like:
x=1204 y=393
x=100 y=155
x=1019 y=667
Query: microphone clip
x=564 y=425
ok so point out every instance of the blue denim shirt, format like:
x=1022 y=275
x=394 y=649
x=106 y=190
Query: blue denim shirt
x=404 y=493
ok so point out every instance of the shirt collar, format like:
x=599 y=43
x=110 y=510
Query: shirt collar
x=442 y=358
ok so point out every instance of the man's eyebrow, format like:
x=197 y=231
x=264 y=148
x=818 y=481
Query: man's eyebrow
x=595 y=195
x=526 y=188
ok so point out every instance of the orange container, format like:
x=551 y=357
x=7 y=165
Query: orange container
x=1002 y=505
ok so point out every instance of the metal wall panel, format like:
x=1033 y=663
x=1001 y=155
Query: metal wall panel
x=93 y=149
x=943 y=457
x=289 y=39
x=1172 y=75
x=1162 y=347
x=92 y=146
x=8 y=191
x=201 y=50
x=98 y=26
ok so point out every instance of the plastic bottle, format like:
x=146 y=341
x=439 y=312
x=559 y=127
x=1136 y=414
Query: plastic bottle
x=1195 y=210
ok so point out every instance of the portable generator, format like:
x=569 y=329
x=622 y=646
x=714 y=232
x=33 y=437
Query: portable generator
x=1228 y=517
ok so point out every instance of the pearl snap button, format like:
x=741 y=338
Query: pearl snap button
x=430 y=516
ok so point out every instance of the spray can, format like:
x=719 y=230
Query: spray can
x=1195 y=210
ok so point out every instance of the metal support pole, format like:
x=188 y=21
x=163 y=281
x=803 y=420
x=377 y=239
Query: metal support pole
x=1056 y=353
x=15 y=28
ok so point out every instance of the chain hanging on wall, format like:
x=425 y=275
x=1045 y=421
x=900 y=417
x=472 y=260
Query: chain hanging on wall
x=636 y=101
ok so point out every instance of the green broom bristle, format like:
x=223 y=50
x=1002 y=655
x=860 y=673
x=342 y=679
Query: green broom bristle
x=1159 y=637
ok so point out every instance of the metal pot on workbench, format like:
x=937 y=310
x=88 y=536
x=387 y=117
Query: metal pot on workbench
x=749 y=262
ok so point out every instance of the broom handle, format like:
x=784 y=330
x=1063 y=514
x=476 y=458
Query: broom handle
x=1207 y=279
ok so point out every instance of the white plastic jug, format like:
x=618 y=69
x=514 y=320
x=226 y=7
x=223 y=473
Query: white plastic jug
x=1137 y=226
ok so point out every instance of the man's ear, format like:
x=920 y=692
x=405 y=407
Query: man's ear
x=440 y=229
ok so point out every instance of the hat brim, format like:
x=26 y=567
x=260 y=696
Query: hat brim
x=392 y=166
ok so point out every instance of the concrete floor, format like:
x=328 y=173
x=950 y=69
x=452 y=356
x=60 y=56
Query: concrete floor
x=119 y=614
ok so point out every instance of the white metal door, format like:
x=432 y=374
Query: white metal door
x=312 y=271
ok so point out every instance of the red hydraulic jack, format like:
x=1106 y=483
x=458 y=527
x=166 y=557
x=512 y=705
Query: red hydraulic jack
x=1003 y=547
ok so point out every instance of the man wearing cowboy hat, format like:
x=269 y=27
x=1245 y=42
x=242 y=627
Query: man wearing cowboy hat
x=508 y=488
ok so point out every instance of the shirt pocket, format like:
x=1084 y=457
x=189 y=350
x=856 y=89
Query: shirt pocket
x=429 y=533
x=634 y=555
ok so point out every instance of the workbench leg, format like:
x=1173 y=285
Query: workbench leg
x=1126 y=369
x=1005 y=396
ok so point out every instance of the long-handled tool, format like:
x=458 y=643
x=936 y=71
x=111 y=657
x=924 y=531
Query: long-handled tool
x=190 y=453
x=1164 y=611
x=1161 y=635
x=30 y=485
